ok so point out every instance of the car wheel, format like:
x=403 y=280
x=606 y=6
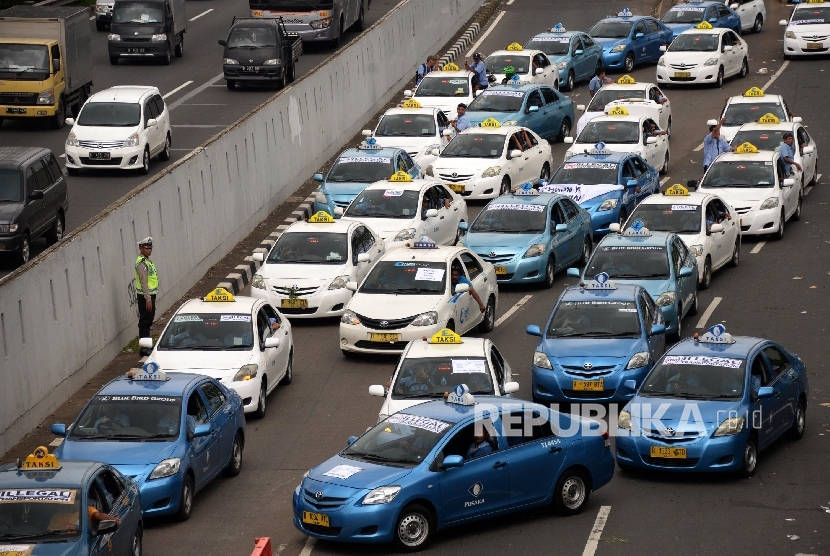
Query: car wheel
x=348 y=354
x=260 y=406
x=695 y=304
x=759 y=23
x=706 y=280
x=544 y=175
x=289 y=370
x=629 y=62
x=291 y=74
x=779 y=235
x=665 y=169
x=60 y=115
x=231 y=85
x=489 y=320
x=55 y=233
x=569 y=83
x=736 y=254
x=450 y=325
x=361 y=20
x=100 y=25
x=235 y=464
x=797 y=213
x=25 y=250
x=138 y=541
x=186 y=499
x=114 y=60
x=180 y=47
x=679 y=330
x=719 y=82
x=335 y=42
x=413 y=529
x=505 y=186
x=750 y=463
x=813 y=181
x=167 y=57
x=564 y=130
x=796 y=432
x=586 y=252
x=145 y=161
x=165 y=152
x=550 y=273
x=744 y=69
x=668 y=128
x=571 y=493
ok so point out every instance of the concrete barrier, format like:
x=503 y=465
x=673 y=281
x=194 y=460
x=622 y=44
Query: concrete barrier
x=71 y=310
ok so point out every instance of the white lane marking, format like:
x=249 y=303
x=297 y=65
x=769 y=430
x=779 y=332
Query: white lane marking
x=596 y=532
x=309 y=546
x=758 y=247
x=194 y=18
x=205 y=126
x=487 y=32
x=510 y=2
x=708 y=312
x=807 y=191
x=177 y=89
x=664 y=180
x=195 y=91
x=61 y=155
x=512 y=310
x=91 y=18
x=699 y=147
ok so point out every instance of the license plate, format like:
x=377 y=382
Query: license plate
x=135 y=51
x=384 y=337
x=457 y=187
x=501 y=270
x=667 y=452
x=99 y=156
x=815 y=45
x=250 y=68
x=589 y=385
x=682 y=74
x=294 y=303
x=15 y=110
x=316 y=519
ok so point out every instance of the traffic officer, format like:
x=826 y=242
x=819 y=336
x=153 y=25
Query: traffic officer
x=146 y=287
x=478 y=68
x=425 y=68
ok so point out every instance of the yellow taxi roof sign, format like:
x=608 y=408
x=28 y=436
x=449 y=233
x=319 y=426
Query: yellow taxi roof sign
x=746 y=148
x=704 y=25
x=618 y=111
x=768 y=118
x=815 y=1
x=450 y=67
x=321 y=217
x=445 y=336
x=400 y=175
x=626 y=80
x=41 y=459
x=490 y=122
x=411 y=103
x=676 y=190
x=220 y=294
x=754 y=92
x=514 y=46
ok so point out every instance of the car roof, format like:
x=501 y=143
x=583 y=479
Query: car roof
x=614 y=158
x=693 y=198
x=806 y=5
x=453 y=413
x=70 y=475
x=524 y=51
x=470 y=347
x=254 y=21
x=441 y=253
x=624 y=292
x=780 y=126
x=13 y=157
x=656 y=238
x=740 y=99
x=354 y=152
x=524 y=87
x=339 y=226
x=740 y=349
x=639 y=86
x=540 y=199
x=176 y=384
x=632 y=17
x=764 y=156
x=414 y=185
x=562 y=34
x=122 y=93
x=399 y=110
x=241 y=304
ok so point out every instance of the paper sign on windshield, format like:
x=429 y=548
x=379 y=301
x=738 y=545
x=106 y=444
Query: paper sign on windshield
x=727 y=362
x=503 y=206
x=55 y=496
x=430 y=274
x=468 y=366
x=425 y=423
x=580 y=193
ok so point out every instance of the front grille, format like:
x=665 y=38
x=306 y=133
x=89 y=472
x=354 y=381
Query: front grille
x=815 y=38
x=584 y=394
x=133 y=39
x=743 y=210
x=679 y=436
x=342 y=204
x=19 y=99
x=111 y=162
x=582 y=369
x=322 y=529
x=299 y=292
x=390 y=324
x=498 y=259
x=457 y=178
x=307 y=311
x=384 y=346
x=682 y=78
x=671 y=462
x=101 y=144
x=325 y=500
x=682 y=67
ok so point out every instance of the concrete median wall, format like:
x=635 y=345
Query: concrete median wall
x=64 y=316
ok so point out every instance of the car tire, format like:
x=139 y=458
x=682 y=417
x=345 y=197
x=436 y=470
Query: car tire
x=231 y=85
x=744 y=69
x=235 y=464
x=779 y=235
x=450 y=325
x=706 y=279
x=571 y=492
x=261 y=405
x=505 y=186
x=668 y=128
x=334 y=43
x=750 y=461
x=100 y=25
x=59 y=119
x=291 y=74
x=625 y=468
x=550 y=274
x=544 y=175
x=165 y=152
x=145 y=161
x=564 y=130
x=693 y=310
x=569 y=83
x=138 y=541
x=719 y=81
x=167 y=57
x=736 y=254
x=55 y=233
x=679 y=331
x=180 y=47
x=413 y=528
x=289 y=370
x=488 y=323
x=796 y=431
x=628 y=65
x=186 y=499
x=361 y=20
x=759 y=23
x=24 y=252
x=665 y=169
x=586 y=252
x=114 y=60
x=348 y=354
x=797 y=214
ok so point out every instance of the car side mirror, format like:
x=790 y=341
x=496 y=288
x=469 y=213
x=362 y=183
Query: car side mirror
x=651 y=140
x=630 y=384
x=462 y=288
x=533 y=330
x=715 y=228
x=56 y=64
x=259 y=257
x=70 y=121
x=106 y=526
x=338 y=211
x=510 y=387
x=578 y=52
x=351 y=440
x=515 y=153
x=364 y=258
x=692 y=185
x=58 y=429
x=407 y=93
x=639 y=35
x=36 y=195
x=713 y=20
x=478 y=93
x=435 y=152
x=200 y=431
x=657 y=329
x=561 y=228
x=727 y=48
x=631 y=183
x=568 y=140
x=580 y=107
x=366 y=133
x=783 y=23
x=537 y=71
x=734 y=6
x=765 y=392
x=797 y=119
x=531 y=109
x=573 y=273
x=351 y=286
x=808 y=150
x=377 y=390
x=272 y=342
x=447 y=132
x=453 y=461
x=152 y=122
x=663 y=48
x=432 y=213
x=789 y=182
x=614 y=228
x=463 y=226
x=685 y=272
x=318 y=177
x=222 y=42
x=145 y=343
x=711 y=122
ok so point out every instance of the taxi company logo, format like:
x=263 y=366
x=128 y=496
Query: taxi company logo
x=99 y=146
x=384 y=323
x=588 y=366
x=476 y=489
x=492 y=253
x=318 y=495
x=670 y=431
x=717 y=330
x=455 y=174
x=250 y=60
x=458 y=390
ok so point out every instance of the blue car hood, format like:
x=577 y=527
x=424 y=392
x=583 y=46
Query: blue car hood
x=559 y=59
x=55 y=548
x=478 y=117
x=712 y=412
x=590 y=348
x=485 y=241
x=371 y=475
x=678 y=28
x=116 y=453
x=608 y=44
x=344 y=188
x=595 y=202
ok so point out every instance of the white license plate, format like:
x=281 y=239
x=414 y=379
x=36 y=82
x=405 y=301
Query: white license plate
x=99 y=156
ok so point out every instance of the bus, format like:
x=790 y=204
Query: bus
x=314 y=20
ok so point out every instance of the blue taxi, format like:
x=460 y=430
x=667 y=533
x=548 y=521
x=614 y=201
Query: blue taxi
x=607 y=185
x=629 y=39
x=575 y=54
x=685 y=16
x=658 y=261
x=529 y=236
x=713 y=403
x=538 y=107
x=443 y=463
x=170 y=433
x=599 y=336
x=59 y=507
x=354 y=169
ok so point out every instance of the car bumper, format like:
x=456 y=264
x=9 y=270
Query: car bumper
x=613 y=59
x=557 y=386
x=698 y=75
x=351 y=522
x=248 y=390
x=158 y=496
x=478 y=188
x=307 y=34
x=707 y=454
x=263 y=74
x=125 y=158
x=760 y=222
x=519 y=270
x=798 y=47
x=32 y=111
x=357 y=338
x=10 y=243
x=104 y=16
x=321 y=304
x=138 y=49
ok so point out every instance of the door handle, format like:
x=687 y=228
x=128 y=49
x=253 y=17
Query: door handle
x=554 y=450
x=499 y=464
x=455 y=209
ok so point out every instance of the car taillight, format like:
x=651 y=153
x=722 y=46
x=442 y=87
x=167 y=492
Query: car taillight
x=607 y=438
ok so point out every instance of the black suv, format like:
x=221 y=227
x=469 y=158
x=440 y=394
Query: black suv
x=33 y=199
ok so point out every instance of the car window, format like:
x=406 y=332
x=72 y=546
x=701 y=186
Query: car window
x=56 y=53
x=408 y=162
x=639 y=167
x=369 y=240
x=526 y=426
x=271 y=313
x=550 y=96
x=723 y=11
x=111 y=485
x=534 y=99
x=214 y=396
x=41 y=174
x=587 y=41
x=516 y=142
x=627 y=171
x=778 y=361
x=357 y=243
x=645 y=312
x=569 y=209
x=97 y=498
x=652 y=26
x=640 y=28
x=529 y=138
x=682 y=252
x=264 y=324
x=473 y=265
x=677 y=261
x=556 y=215
x=443 y=121
x=149 y=110
x=54 y=168
x=760 y=370
x=576 y=44
x=196 y=408
x=803 y=138
x=159 y=104
x=498 y=364
x=462 y=441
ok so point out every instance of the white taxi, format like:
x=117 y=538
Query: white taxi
x=243 y=342
x=704 y=221
x=409 y=294
x=430 y=367
x=626 y=88
x=753 y=182
x=491 y=160
x=753 y=14
x=415 y=129
x=401 y=209
x=444 y=90
x=529 y=66
x=703 y=55
x=808 y=30
x=750 y=107
x=306 y=271
x=621 y=132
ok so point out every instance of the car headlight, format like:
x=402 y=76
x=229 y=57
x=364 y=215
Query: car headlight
x=624 y=420
x=535 y=251
x=321 y=23
x=165 y=468
x=661 y=62
x=306 y=474
x=46 y=97
x=510 y=122
x=382 y=417
x=608 y=204
x=491 y=172
x=7 y=228
x=72 y=140
x=730 y=426
x=618 y=48
x=569 y=154
x=271 y=62
x=381 y=495
x=770 y=203
x=339 y=283
x=426 y=319
x=246 y=372
x=230 y=62
x=349 y=318
x=159 y=38
x=711 y=62
x=405 y=234
x=789 y=35
x=114 y=37
x=320 y=197
x=562 y=65
x=258 y=282
x=132 y=140
x=666 y=299
x=697 y=250
x=540 y=359
x=639 y=359
x=428 y=171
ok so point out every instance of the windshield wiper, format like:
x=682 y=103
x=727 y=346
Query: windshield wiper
x=384 y=458
x=573 y=335
x=424 y=395
x=406 y=291
x=613 y=334
x=40 y=535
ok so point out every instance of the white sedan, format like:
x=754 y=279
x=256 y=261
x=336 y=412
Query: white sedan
x=768 y=137
x=703 y=55
x=428 y=368
x=409 y=294
x=444 y=90
x=808 y=30
x=626 y=88
x=531 y=66
x=492 y=160
x=751 y=107
x=306 y=271
x=415 y=129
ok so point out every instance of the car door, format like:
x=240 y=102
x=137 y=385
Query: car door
x=545 y=71
x=720 y=247
x=117 y=504
x=202 y=449
x=97 y=497
x=651 y=316
x=788 y=193
x=558 y=240
x=435 y=226
x=163 y=116
x=642 y=175
x=535 y=455
x=221 y=426
x=362 y=241
x=730 y=18
x=746 y=11
x=152 y=133
x=654 y=152
x=664 y=109
x=536 y=158
x=535 y=120
x=785 y=386
x=640 y=42
x=454 y=212
x=276 y=358
x=655 y=39
x=578 y=56
x=592 y=53
x=40 y=218
x=501 y=368
x=734 y=58
x=573 y=241
x=808 y=160
x=56 y=196
x=475 y=274
x=763 y=410
x=687 y=285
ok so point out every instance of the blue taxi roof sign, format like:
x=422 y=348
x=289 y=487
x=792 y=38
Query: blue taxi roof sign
x=600 y=282
x=637 y=229
x=558 y=28
x=369 y=144
x=716 y=334
x=460 y=395
x=625 y=13
x=527 y=190
x=40 y=459
x=149 y=371
x=599 y=149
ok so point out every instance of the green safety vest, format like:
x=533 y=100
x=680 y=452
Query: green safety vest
x=152 y=276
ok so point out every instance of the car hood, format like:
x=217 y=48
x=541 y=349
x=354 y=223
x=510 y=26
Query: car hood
x=817 y=29
x=9 y=211
x=677 y=28
x=69 y=548
x=133 y=30
x=116 y=453
x=483 y=243
x=741 y=194
x=608 y=44
x=606 y=349
x=344 y=188
x=387 y=228
x=371 y=475
x=410 y=144
x=102 y=133
x=309 y=274
x=688 y=57
x=477 y=117
x=673 y=411
x=211 y=363
x=392 y=306
x=448 y=165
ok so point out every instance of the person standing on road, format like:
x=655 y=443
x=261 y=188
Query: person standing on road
x=424 y=69
x=787 y=152
x=598 y=81
x=146 y=287
x=478 y=68
x=714 y=145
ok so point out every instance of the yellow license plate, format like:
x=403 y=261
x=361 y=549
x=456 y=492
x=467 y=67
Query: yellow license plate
x=667 y=452
x=682 y=74
x=457 y=187
x=385 y=337
x=589 y=385
x=294 y=304
x=501 y=270
x=316 y=519
x=815 y=45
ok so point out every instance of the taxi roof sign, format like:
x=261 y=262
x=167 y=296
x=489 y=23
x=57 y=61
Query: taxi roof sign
x=411 y=103
x=425 y=242
x=599 y=150
x=637 y=229
x=321 y=217
x=149 y=371
x=460 y=395
x=514 y=46
x=626 y=80
x=815 y=1
x=716 y=334
x=618 y=111
x=400 y=175
x=704 y=25
x=600 y=282
x=769 y=118
x=490 y=122
x=558 y=28
x=676 y=190
x=219 y=294
x=370 y=144
x=450 y=67
x=445 y=336
x=746 y=148
x=527 y=190
x=754 y=92
x=40 y=459
x=625 y=13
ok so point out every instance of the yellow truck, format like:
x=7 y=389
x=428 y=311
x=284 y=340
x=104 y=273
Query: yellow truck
x=45 y=62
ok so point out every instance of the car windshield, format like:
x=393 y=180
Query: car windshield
x=595 y=319
x=401 y=438
x=136 y=12
x=552 y=46
x=210 y=331
x=110 y=114
x=764 y=140
x=409 y=277
x=694 y=43
x=129 y=417
x=739 y=173
x=604 y=96
x=310 y=248
x=697 y=377
x=23 y=61
x=739 y=113
x=610 y=132
x=361 y=169
x=677 y=217
x=443 y=87
x=38 y=512
x=630 y=262
x=811 y=14
x=11 y=190
x=586 y=173
x=497 y=62
x=430 y=377
x=683 y=14
x=511 y=218
x=497 y=101
x=611 y=30
x=384 y=203
x=406 y=125
x=474 y=145
x=252 y=37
